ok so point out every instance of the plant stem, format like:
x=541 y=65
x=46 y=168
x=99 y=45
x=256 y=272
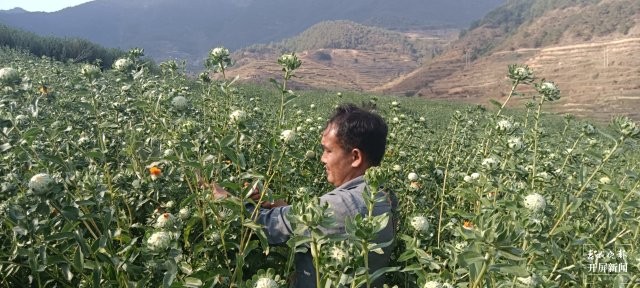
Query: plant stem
x=513 y=89
x=535 y=142
x=444 y=181
x=482 y=271
x=584 y=186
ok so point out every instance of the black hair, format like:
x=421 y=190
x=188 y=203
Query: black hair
x=361 y=129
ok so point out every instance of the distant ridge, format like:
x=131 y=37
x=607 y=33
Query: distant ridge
x=588 y=47
x=169 y=29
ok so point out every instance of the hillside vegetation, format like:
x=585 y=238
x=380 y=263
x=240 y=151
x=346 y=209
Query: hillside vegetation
x=106 y=177
x=354 y=36
x=589 y=47
x=169 y=29
x=63 y=49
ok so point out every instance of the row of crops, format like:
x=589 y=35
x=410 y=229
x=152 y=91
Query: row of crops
x=103 y=183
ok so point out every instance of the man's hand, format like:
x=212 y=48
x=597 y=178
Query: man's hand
x=218 y=192
x=255 y=196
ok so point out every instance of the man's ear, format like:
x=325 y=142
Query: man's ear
x=357 y=158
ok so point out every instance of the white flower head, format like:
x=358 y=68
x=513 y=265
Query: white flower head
x=395 y=104
x=122 y=64
x=490 y=163
x=265 y=282
x=395 y=120
x=515 y=143
x=179 y=102
x=9 y=77
x=237 y=116
x=165 y=220
x=605 y=180
x=420 y=223
x=309 y=154
x=287 y=136
x=159 y=241
x=219 y=52
x=338 y=254
x=184 y=213
x=530 y=281
x=504 y=125
x=412 y=176
x=432 y=284
x=535 y=202
x=40 y=183
x=90 y=71
x=396 y=167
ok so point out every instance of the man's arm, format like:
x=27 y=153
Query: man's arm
x=275 y=223
x=272 y=215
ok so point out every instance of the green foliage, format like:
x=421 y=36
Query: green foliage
x=595 y=19
x=75 y=50
x=105 y=182
x=350 y=35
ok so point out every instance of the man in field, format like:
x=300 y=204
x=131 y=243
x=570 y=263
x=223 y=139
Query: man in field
x=353 y=140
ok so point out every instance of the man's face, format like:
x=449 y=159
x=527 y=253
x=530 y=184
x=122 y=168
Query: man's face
x=337 y=161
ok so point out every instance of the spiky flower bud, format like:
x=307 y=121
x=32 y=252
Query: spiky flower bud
x=289 y=62
x=9 y=77
x=549 y=91
x=535 y=202
x=159 y=241
x=179 y=102
x=123 y=64
x=40 y=183
x=626 y=127
x=420 y=223
x=90 y=71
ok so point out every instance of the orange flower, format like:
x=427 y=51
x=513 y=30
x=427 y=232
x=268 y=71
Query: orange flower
x=155 y=172
x=415 y=185
x=467 y=225
x=44 y=90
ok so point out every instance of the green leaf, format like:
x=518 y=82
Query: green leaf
x=97 y=276
x=78 y=261
x=290 y=98
x=66 y=272
x=170 y=274
x=509 y=269
x=59 y=236
x=192 y=282
x=5 y=147
x=375 y=275
x=70 y=212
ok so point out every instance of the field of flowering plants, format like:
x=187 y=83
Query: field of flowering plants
x=105 y=182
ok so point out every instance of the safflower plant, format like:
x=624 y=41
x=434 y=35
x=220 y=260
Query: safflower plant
x=109 y=184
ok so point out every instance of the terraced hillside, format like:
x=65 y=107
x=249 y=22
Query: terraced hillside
x=596 y=79
x=332 y=69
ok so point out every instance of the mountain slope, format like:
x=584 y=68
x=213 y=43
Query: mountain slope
x=343 y=55
x=175 y=29
x=589 y=48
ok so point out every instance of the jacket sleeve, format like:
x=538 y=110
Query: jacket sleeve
x=275 y=223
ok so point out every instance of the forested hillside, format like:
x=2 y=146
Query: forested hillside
x=63 y=49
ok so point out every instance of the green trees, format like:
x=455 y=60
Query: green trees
x=63 y=49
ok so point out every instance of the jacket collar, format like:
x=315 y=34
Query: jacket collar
x=352 y=183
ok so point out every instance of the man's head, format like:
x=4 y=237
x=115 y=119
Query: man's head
x=353 y=140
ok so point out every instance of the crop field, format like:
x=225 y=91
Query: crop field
x=105 y=179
